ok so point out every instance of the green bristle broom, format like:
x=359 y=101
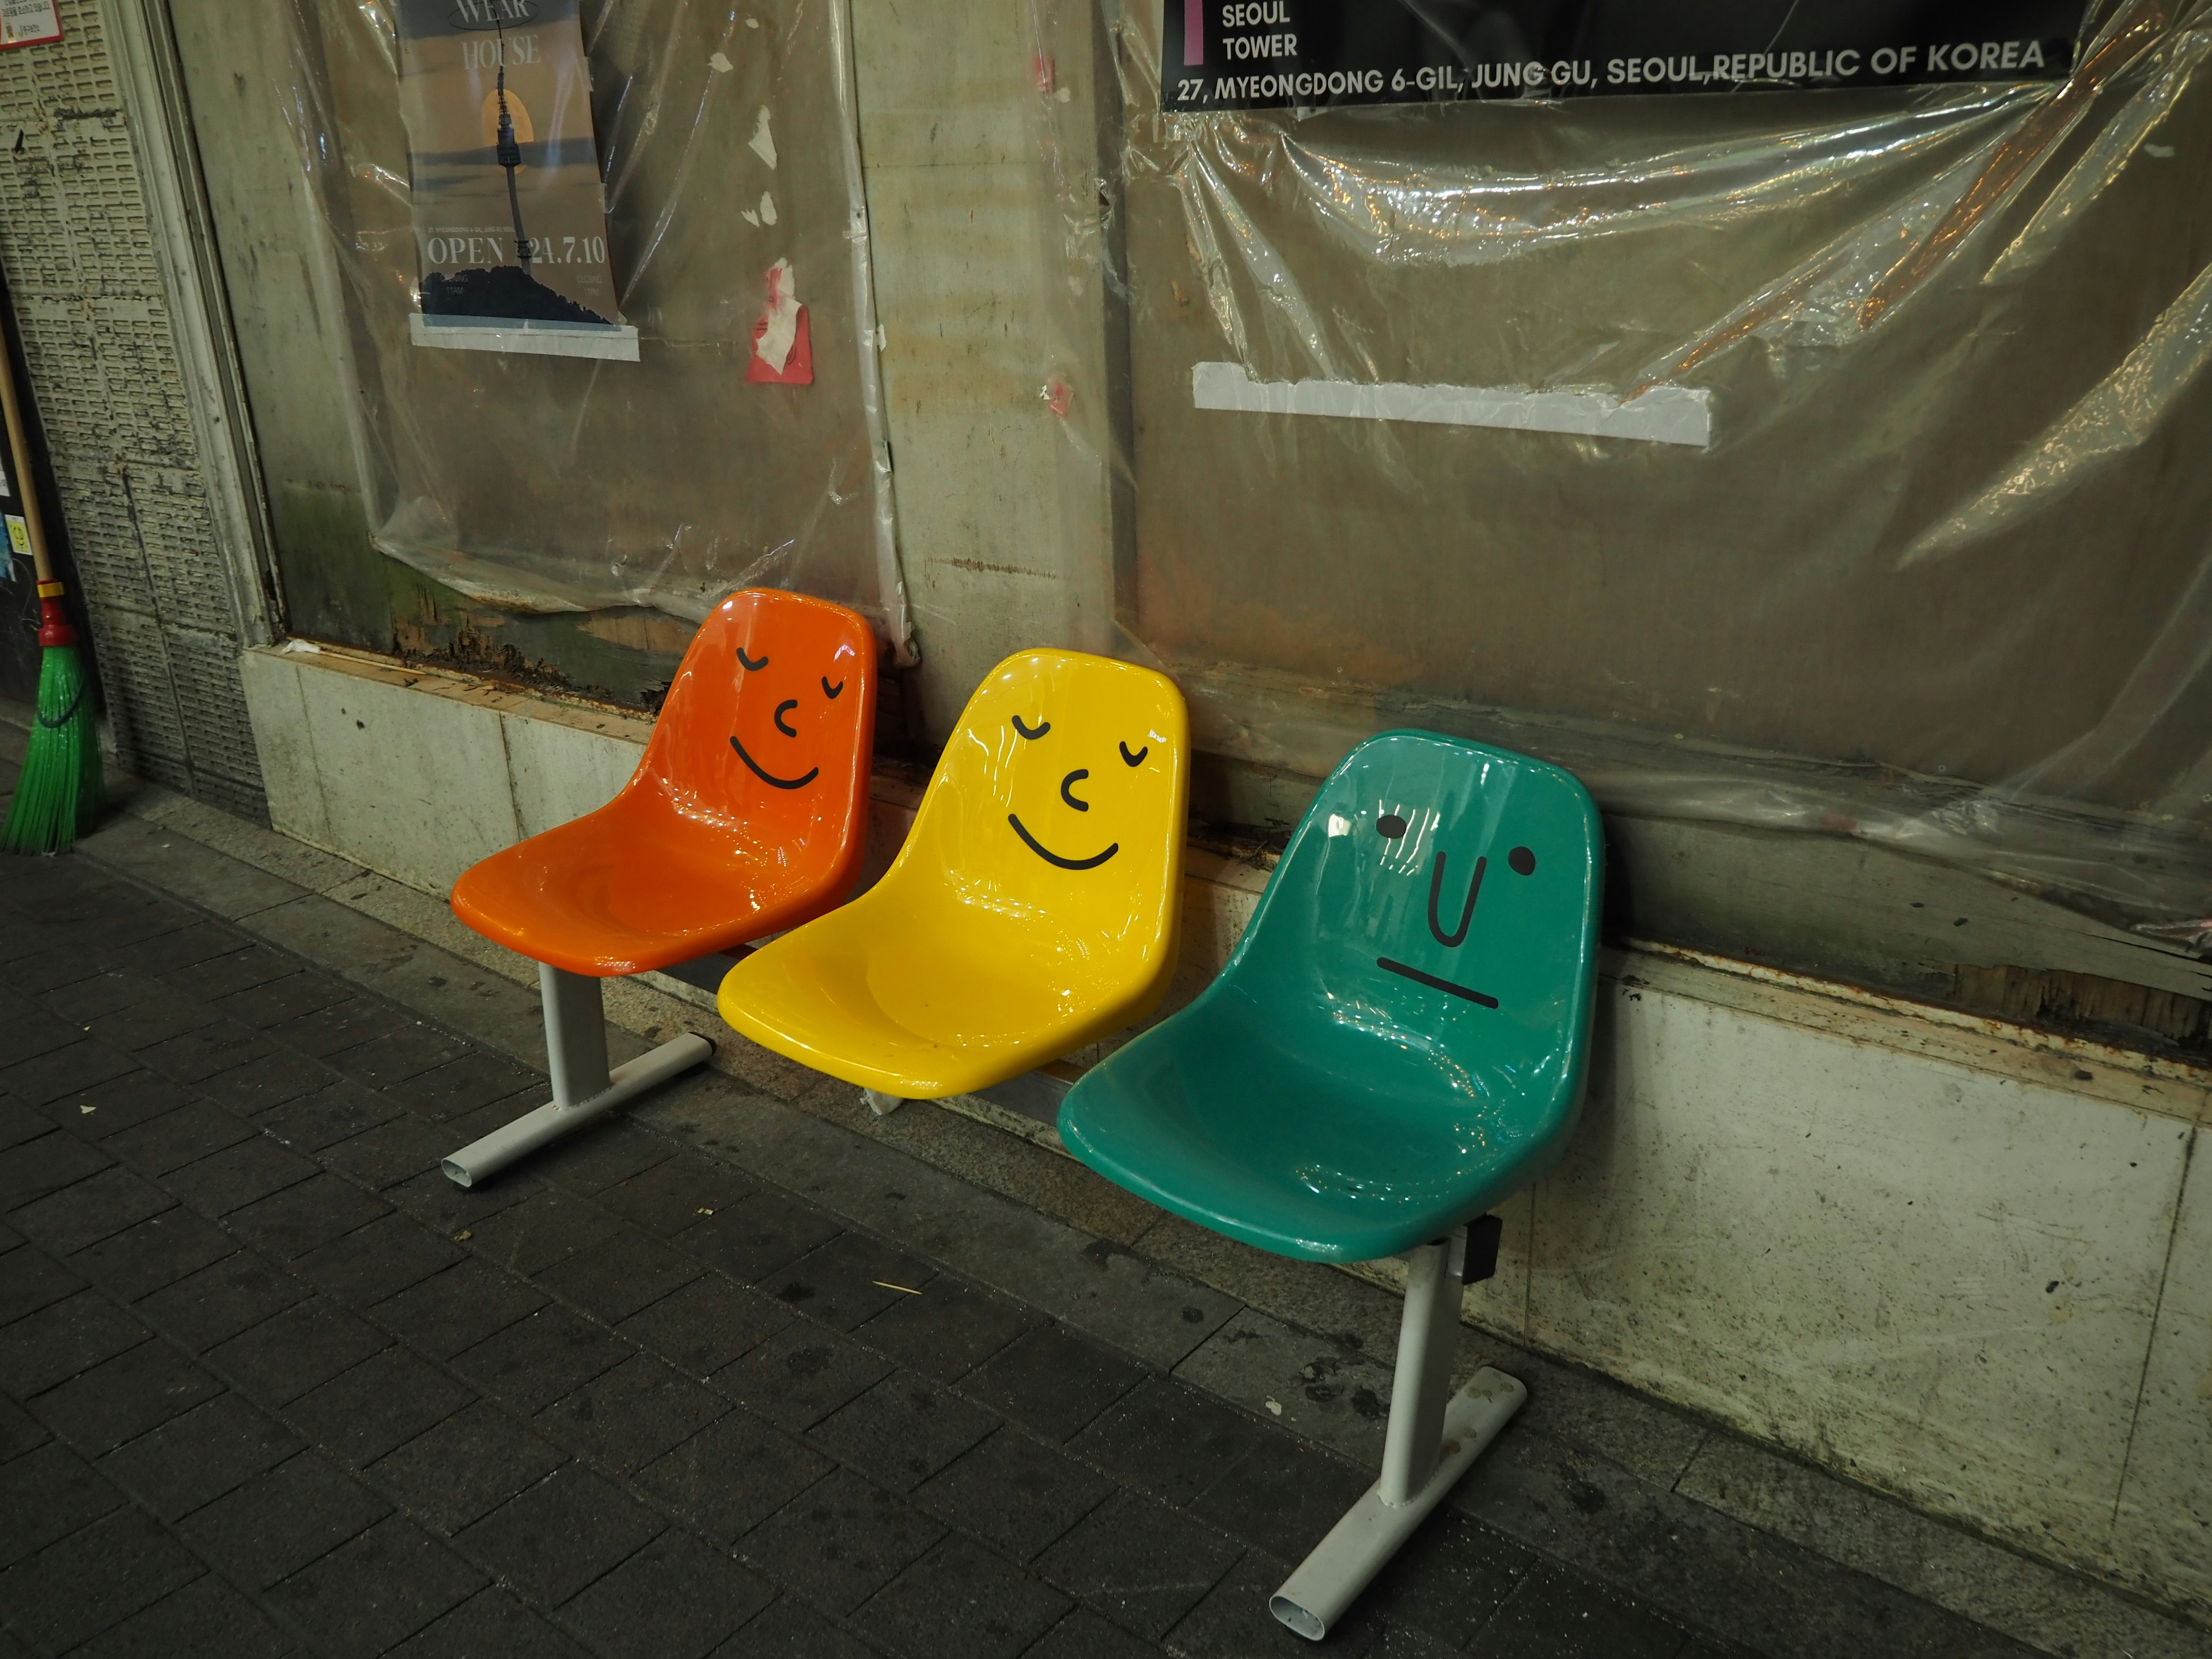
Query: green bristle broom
x=59 y=789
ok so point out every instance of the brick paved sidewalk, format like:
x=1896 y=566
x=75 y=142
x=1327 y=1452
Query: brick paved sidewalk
x=273 y=1384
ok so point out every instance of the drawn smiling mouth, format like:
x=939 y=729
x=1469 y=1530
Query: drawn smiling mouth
x=770 y=778
x=1049 y=857
x=1434 y=983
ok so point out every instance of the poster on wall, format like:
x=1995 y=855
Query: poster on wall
x=28 y=23
x=510 y=221
x=1273 y=54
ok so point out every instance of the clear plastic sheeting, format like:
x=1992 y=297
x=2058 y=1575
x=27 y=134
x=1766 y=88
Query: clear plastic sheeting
x=727 y=142
x=1940 y=574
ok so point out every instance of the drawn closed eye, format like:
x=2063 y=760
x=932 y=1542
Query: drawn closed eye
x=1043 y=728
x=1137 y=759
x=830 y=691
x=744 y=661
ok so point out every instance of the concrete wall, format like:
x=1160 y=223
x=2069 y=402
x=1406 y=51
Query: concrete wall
x=1958 y=1260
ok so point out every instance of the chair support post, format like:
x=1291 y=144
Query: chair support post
x=583 y=1088
x=1433 y=1438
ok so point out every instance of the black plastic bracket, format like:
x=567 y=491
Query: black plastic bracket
x=1482 y=1236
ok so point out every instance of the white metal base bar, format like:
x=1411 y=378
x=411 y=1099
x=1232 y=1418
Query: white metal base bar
x=1432 y=1438
x=583 y=1087
x=1361 y=1545
x=881 y=1105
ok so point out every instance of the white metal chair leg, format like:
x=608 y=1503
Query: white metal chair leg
x=881 y=1105
x=1433 y=1438
x=583 y=1087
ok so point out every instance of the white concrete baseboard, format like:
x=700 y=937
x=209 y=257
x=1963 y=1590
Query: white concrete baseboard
x=1961 y=1261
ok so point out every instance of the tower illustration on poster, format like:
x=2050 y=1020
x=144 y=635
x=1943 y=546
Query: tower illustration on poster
x=510 y=220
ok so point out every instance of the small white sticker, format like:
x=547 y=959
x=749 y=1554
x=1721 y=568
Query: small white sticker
x=719 y=63
x=762 y=142
x=1339 y=824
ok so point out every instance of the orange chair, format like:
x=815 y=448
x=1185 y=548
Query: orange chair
x=747 y=815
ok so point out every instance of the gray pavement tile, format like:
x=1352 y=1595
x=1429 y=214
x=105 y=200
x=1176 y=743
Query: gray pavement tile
x=213 y=1048
x=173 y=862
x=799 y=1375
x=97 y=1207
x=632 y=1414
x=554 y=1539
x=1139 y=1562
x=457 y=1308
x=31 y=1168
x=1319 y=1387
x=61 y=1338
x=1283 y=1496
x=376 y=1591
x=707 y=1324
x=141 y=1025
x=676 y=1598
x=1017 y=1494
x=848 y=1280
x=1554 y=1616
x=99 y=993
x=458 y=1087
x=313 y=1212
x=337 y=1027
x=369 y=1264
x=19 y=1123
x=193 y=1131
x=205 y=1619
x=902 y=1430
x=1449 y=1580
x=30 y=1280
x=32 y=1031
x=244 y=970
x=194 y=1459
x=789 y=1629
x=490 y=1624
x=179 y=950
x=19 y=1430
x=274 y=1523
x=46 y=1494
x=238 y=1176
x=618 y=1275
x=302 y=1348
x=731 y=1475
x=677 y=1193
x=467 y=1466
x=539 y=1357
x=840 y=1542
x=385 y=1402
x=96 y=1577
x=121 y=1398
x=119 y=1103
x=405 y=1049
x=432 y=1197
x=947 y=1330
x=1169 y=1439
x=603 y=1154
x=1404 y=1642
x=338 y=1111
x=67 y=1070
x=392 y=1152
x=218 y=1301
x=542 y=1229
x=156 y=1253
x=1232 y=1621
x=66 y=958
x=273 y=1002
x=960 y=1601
x=1084 y=1635
x=757 y=1235
x=262 y=1082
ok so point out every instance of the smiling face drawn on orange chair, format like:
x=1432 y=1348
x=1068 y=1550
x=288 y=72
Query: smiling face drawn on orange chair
x=1074 y=779
x=790 y=747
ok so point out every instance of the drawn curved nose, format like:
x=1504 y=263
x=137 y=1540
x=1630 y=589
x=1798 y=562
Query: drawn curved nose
x=1452 y=941
x=1068 y=788
x=783 y=707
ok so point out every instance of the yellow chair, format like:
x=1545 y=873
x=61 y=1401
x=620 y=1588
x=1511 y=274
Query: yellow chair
x=1033 y=909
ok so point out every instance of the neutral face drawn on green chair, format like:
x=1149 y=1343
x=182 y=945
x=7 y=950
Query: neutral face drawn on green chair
x=1393 y=826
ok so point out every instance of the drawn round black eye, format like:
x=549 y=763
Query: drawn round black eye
x=1522 y=860
x=1390 y=824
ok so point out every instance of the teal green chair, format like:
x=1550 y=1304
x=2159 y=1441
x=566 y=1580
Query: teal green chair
x=1397 y=1044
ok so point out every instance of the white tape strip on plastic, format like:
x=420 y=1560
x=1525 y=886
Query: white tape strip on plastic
x=1664 y=415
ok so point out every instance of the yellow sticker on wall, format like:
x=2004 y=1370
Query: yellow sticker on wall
x=19 y=536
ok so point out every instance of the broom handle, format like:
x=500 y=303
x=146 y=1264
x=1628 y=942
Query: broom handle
x=26 y=485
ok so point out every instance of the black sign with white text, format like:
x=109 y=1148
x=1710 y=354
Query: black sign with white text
x=1265 y=54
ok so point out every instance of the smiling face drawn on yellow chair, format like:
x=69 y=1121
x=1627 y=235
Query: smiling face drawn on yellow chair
x=1076 y=790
